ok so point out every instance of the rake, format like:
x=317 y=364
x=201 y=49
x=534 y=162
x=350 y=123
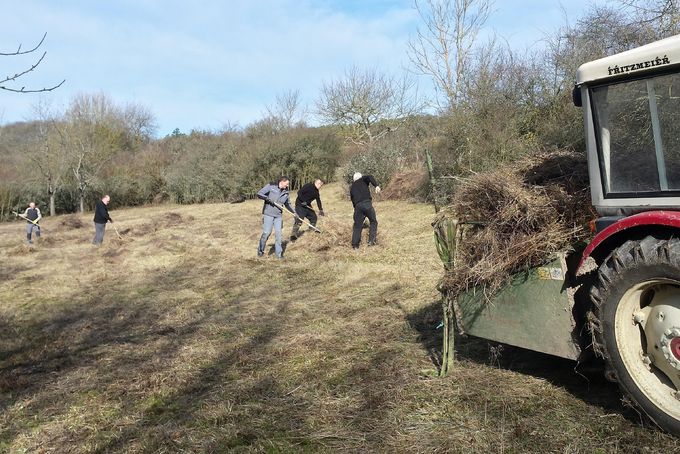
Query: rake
x=24 y=217
x=116 y=230
x=313 y=227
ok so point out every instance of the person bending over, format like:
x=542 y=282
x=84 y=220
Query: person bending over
x=303 y=206
x=360 y=194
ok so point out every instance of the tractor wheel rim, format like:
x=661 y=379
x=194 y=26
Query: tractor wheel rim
x=641 y=324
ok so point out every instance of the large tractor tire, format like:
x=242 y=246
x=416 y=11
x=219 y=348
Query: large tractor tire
x=637 y=325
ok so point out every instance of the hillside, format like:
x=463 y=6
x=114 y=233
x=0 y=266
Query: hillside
x=178 y=339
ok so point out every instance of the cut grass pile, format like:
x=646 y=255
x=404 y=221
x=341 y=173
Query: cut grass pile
x=178 y=339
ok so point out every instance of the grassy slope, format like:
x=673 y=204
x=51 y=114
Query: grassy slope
x=178 y=339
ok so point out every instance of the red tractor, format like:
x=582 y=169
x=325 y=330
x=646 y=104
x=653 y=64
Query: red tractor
x=622 y=301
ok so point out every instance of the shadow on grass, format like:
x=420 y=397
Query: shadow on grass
x=107 y=342
x=184 y=406
x=7 y=271
x=585 y=382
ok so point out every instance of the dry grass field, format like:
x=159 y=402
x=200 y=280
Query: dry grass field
x=178 y=339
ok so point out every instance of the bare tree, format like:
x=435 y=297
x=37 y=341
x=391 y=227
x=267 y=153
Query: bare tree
x=94 y=131
x=287 y=111
x=607 y=30
x=445 y=42
x=655 y=18
x=49 y=155
x=139 y=123
x=14 y=78
x=369 y=103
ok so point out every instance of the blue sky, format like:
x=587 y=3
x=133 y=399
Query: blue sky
x=206 y=64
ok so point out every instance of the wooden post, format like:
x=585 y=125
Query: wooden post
x=433 y=180
x=446 y=240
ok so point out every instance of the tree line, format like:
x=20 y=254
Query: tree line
x=492 y=104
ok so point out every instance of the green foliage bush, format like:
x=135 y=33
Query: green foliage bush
x=301 y=155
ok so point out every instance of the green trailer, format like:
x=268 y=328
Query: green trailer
x=535 y=310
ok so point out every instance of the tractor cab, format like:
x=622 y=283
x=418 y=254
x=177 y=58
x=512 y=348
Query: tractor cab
x=631 y=106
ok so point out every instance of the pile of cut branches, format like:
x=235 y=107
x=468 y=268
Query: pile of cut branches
x=515 y=217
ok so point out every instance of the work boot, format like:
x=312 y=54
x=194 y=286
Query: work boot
x=295 y=234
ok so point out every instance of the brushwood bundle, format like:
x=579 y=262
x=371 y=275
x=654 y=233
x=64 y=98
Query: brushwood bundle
x=516 y=217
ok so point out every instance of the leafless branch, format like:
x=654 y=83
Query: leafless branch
x=20 y=52
x=18 y=75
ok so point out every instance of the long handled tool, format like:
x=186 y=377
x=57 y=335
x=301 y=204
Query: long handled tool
x=313 y=227
x=24 y=217
x=116 y=230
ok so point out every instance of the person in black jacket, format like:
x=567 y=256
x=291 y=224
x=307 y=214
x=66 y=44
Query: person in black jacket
x=360 y=194
x=303 y=206
x=101 y=217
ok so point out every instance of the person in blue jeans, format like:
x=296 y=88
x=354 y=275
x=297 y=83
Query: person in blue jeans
x=32 y=216
x=275 y=195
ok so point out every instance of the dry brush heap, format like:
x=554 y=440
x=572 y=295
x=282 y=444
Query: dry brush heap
x=516 y=217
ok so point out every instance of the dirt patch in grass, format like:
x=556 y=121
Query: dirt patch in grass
x=113 y=252
x=47 y=240
x=72 y=221
x=172 y=219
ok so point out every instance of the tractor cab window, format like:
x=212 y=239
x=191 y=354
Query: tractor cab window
x=637 y=127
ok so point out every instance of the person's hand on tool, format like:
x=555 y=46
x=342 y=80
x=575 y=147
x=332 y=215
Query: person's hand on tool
x=321 y=213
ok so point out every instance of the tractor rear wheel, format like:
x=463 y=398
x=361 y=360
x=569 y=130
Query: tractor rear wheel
x=637 y=325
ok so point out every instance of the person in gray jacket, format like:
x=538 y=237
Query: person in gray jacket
x=275 y=196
